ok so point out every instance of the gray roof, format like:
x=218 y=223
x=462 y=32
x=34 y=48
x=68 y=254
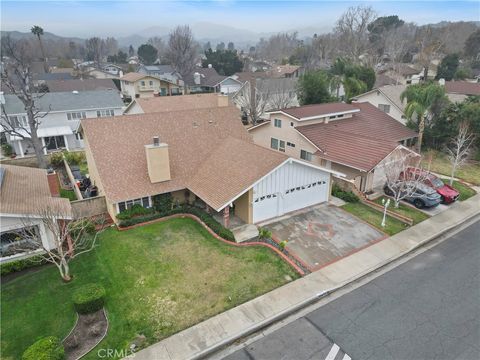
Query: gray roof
x=53 y=76
x=208 y=77
x=164 y=69
x=80 y=85
x=66 y=101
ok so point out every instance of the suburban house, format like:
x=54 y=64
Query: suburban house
x=388 y=98
x=61 y=114
x=173 y=103
x=136 y=85
x=286 y=71
x=164 y=72
x=99 y=73
x=26 y=194
x=80 y=85
x=404 y=73
x=204 y=157
x=113 y=69
x=353 y=139
x=205 y=80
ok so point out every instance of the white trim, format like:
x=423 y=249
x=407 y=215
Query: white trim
x=400 y=146
x=33 y=216
x=258 y=125
x=328 y=115
x=281 y=112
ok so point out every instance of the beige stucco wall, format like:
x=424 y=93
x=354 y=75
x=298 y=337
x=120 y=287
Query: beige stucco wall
x=244 y=207
x=375 y=98
x=179 y=196
x=92 y=167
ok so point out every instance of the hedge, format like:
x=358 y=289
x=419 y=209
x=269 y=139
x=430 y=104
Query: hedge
x=89 y=298
x=213 y=224
x=135 y=210
x=19 y=265
x=47 y=348
x=347 y=196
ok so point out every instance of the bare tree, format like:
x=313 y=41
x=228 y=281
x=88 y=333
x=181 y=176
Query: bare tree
x=352 y=30
x=459 y=148
x=159 y=44
x=95 y=48
x=182 y=50
x=278 y=47
x=17 y=78
x=429 y=47
x=281 y=92
x=70 y=238
x=403 y=175
x=253 y=99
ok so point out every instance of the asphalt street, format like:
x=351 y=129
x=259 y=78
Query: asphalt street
x=426 y=308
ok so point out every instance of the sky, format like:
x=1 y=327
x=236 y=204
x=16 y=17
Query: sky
x=122 y=18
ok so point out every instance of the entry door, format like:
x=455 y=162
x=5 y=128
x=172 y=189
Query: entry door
x=54 y=142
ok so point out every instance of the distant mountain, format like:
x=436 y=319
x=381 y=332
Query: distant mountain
x=17 y=35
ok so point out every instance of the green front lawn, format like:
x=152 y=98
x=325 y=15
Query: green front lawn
x=416 y=215
x=374 y=217
x=159 y=278
x=465 y=191
x=440 y=164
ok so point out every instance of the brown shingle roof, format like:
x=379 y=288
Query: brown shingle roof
x=318 y=110
x=282 y=70
x=25 y=191
x=361 y=141
x=80 y=85
x=133 y=76
x=175 y=103
x=208 y=77
x=234 y=166
x=117 y=146
x=462 y=87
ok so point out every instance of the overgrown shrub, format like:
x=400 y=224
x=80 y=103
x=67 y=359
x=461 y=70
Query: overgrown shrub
x=135 y=210
x=347 y=196
x=56 y=159
x=75 y=158
x=14 y=266
x=162 y=202
x=89 y=298
x=47 y=348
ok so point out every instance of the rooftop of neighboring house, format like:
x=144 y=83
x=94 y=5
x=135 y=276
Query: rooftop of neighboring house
x=462 y=87
x=134 y=76
x=382 y=80
x=360 y=141
x=53 y=76
x=25 y=191
x=61 y=70
x=209 y=152
x=176 y=103
x=282 y=70
x=66 y=101
x=307 y=112
x=164 y=69
x=208 y=77
x=406 y=69
x=80 y=85
x=249 y=75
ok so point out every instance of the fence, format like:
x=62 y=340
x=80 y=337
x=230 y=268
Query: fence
x=89 y=207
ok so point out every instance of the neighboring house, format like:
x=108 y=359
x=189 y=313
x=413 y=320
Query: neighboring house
x=286 y=71
x=62 y=112
x=136 y=85
x=462 y=89
x=25 y=194
x=102 y=74
x=80 y=85
x=113 y=69
x=43 y=78
x=404 y=73
x=205 y=80
x=382 y=80
x=201 y=156
x=164 y=72
x=176 y=103
x=354 y=139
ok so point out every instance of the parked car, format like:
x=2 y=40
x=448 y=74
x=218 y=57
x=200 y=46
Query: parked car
x=423 y=197
x=448 y=193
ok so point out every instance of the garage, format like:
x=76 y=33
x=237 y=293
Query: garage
x=293 y=186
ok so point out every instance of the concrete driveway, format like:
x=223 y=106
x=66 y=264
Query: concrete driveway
x=322 y=234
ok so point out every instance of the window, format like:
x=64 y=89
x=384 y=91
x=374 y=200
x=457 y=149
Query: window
x=18 y=121
x=151 y=82
x=76 y=115
x=278 y=123
x=104 y=113
x=281 y=147
x=79 y=136
x=124 y=205
x=274 y=143
x=142 y=83
x=384 y=107
x=292 y=124
x=333 y=117
x=305 y=155
x=290 y=144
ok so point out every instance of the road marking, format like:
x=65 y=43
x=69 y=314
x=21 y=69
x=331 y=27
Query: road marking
x=346 y=357
x=333 y=352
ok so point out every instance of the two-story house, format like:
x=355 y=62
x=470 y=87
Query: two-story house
x=59 y=116
x=136 y=85
x=354 y=139
x=164 y=72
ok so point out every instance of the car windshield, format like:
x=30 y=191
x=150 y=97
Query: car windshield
x=437 y=183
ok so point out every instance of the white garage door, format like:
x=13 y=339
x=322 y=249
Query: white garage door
x=293 y=186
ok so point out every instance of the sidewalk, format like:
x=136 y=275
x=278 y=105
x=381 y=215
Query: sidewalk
x=222 y=329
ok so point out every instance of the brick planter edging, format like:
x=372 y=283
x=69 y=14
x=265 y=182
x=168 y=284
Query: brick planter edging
x=216 y=236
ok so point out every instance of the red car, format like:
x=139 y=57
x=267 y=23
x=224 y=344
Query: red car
x=448 y=193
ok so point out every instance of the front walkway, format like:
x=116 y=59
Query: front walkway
x=222 y=329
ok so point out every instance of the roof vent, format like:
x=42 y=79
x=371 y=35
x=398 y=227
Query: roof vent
x=156 y=141
x=74 y=92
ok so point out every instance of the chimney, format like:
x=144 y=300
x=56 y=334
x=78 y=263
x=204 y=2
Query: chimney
x=53 y=183
x=196 y=78
x=158 y=161
x=2 y=98
x=441 y=82
x=222 y=100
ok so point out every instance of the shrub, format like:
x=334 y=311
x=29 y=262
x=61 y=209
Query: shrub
x=264 y=233
x=47 y=348
x=282 y=244
x=162 y=202
x=135 y=210
x=7 y=149
x=347 y=196
x=89 y=298
x=14 y=266
x=56 y=159
x=75 y=158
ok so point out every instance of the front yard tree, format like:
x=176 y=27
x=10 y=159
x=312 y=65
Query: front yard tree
x=182 y=50
x=420 y=100
x=459 y=148
x=16 y=77
x=147 y=54
x=225 y=62
x=313 y=88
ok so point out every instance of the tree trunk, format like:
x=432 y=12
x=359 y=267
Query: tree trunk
x=253 y=103
x=454 y=168
x=35 y=140
x=425 y=73
x=45 y=65
x=65 y=270
x=421 y=129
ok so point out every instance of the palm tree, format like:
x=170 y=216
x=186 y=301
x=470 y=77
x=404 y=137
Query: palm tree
x=38 y=32
x=420 y=99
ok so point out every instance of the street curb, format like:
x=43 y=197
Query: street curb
x=283 y=314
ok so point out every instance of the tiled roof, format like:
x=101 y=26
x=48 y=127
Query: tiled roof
x=249 y=75
x=462 y=87
x=133 y=76
x=282 y=70
x=117 y=146
x=25 y=191
x=226 y=173
x=208 y=77
x=305 y=111
x=382 y=80
x=361 y=141
x=176 y=103
x=80 y=85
